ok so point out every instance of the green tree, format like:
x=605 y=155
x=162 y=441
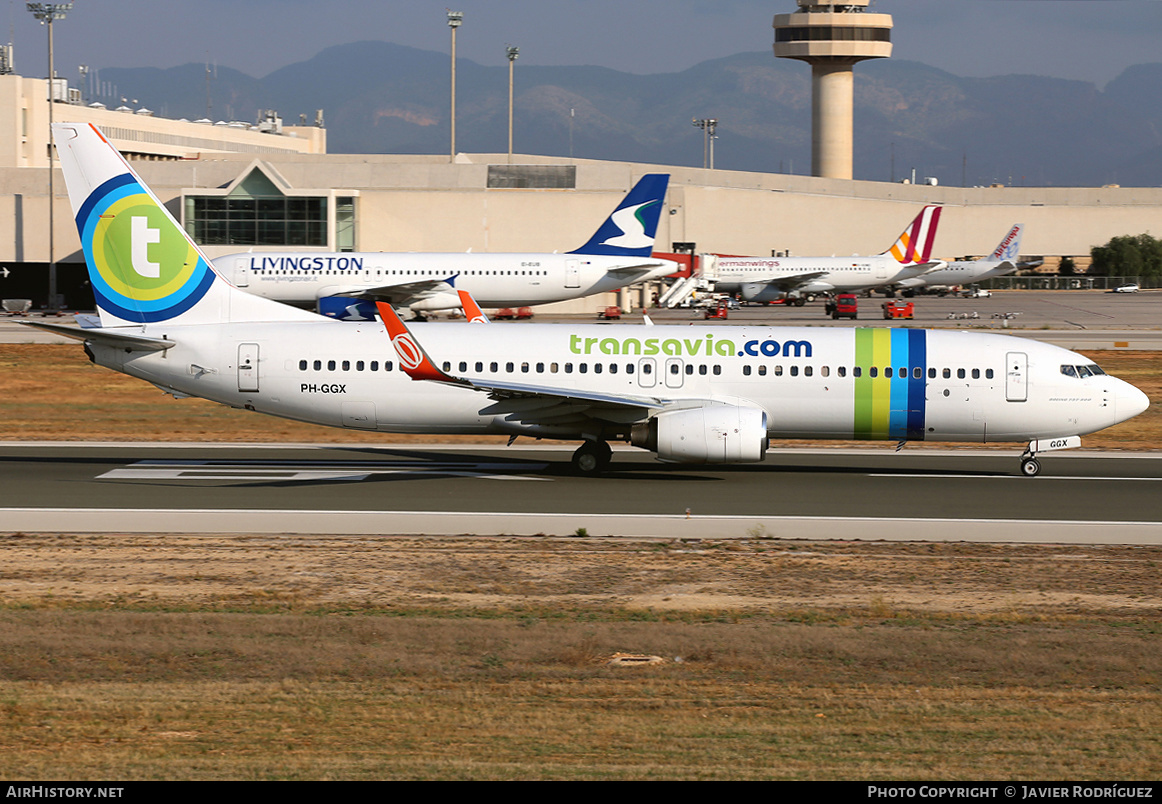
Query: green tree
x=1128 y=255
x=1066 y=267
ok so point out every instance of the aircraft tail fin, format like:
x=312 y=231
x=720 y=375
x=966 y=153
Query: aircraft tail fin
x=1010 y=246
x=143 y=267
x=914 y=246
x=630 y=230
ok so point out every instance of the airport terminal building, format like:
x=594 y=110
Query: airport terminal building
x=239 y=187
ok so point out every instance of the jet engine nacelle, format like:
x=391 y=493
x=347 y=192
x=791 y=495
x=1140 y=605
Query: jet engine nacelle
x=760 y=292
x=714 y=434
x=764 y=292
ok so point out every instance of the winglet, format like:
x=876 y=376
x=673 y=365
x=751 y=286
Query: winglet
x=914 y=245
x=472 y=310
x=412 y=357
x=630 y=230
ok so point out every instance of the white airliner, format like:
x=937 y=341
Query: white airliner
x=1002 y=261
x=346 y=285
x=765 y=279
x=689 y=394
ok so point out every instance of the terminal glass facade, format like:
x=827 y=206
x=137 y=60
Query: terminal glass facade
x=281 y=221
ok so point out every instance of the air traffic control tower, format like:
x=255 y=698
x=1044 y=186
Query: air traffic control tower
x=832 y=37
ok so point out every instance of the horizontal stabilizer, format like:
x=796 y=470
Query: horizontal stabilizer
x=105 y=335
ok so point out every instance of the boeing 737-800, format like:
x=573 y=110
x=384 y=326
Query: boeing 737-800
x=1002 y=261
x=346 y=285
x=688 y=394
x=766 y=279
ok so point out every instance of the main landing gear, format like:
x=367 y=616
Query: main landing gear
x=592 y=458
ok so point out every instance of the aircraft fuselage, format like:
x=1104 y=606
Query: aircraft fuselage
x=494 y=280
x=880 y=384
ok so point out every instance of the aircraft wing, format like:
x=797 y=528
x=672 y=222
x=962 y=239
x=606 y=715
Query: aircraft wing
x=929 y=267
x=791 y=282
x=403 y=294
x=533 y=404
x=544 y=405
x=109 y=336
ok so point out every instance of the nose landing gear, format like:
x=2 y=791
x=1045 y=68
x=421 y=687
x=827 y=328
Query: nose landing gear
x=1030 y=466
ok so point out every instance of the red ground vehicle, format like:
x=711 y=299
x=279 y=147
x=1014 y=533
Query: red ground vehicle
x=845 y=305
x=508 y=314
x=609 y=313
x=721 y=310
x=898 y=309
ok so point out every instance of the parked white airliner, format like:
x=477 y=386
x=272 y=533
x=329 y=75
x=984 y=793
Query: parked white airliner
x=1002 y=261
x=346 y=285
x=688 y=394
x=766 y=279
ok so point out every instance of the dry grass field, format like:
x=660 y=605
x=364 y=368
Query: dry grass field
x=259 y=657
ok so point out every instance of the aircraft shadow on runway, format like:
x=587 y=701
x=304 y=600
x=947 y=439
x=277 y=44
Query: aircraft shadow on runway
x=393 y=465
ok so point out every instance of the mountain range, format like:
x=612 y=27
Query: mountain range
x=379 y=97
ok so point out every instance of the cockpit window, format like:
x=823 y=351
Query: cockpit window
x=1082 y=372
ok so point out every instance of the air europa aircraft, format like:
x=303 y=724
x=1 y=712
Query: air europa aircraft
x=690 y=395
x=1003 y=260
x=765 y=279
x=346 y=285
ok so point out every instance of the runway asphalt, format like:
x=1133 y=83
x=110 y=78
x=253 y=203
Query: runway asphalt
x=439 y=490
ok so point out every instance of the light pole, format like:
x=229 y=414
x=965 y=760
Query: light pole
x=455 y=19
x=512 y=52
x=708 y=126
x=47 y=13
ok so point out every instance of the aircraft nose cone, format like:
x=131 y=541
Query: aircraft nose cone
x=1130 y=402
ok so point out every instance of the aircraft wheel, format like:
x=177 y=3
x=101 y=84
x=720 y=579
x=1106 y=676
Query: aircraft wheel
x=592 y=458
x=1030 y=467
x=810 y=297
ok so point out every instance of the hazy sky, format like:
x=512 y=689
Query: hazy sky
x=1092 y=40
